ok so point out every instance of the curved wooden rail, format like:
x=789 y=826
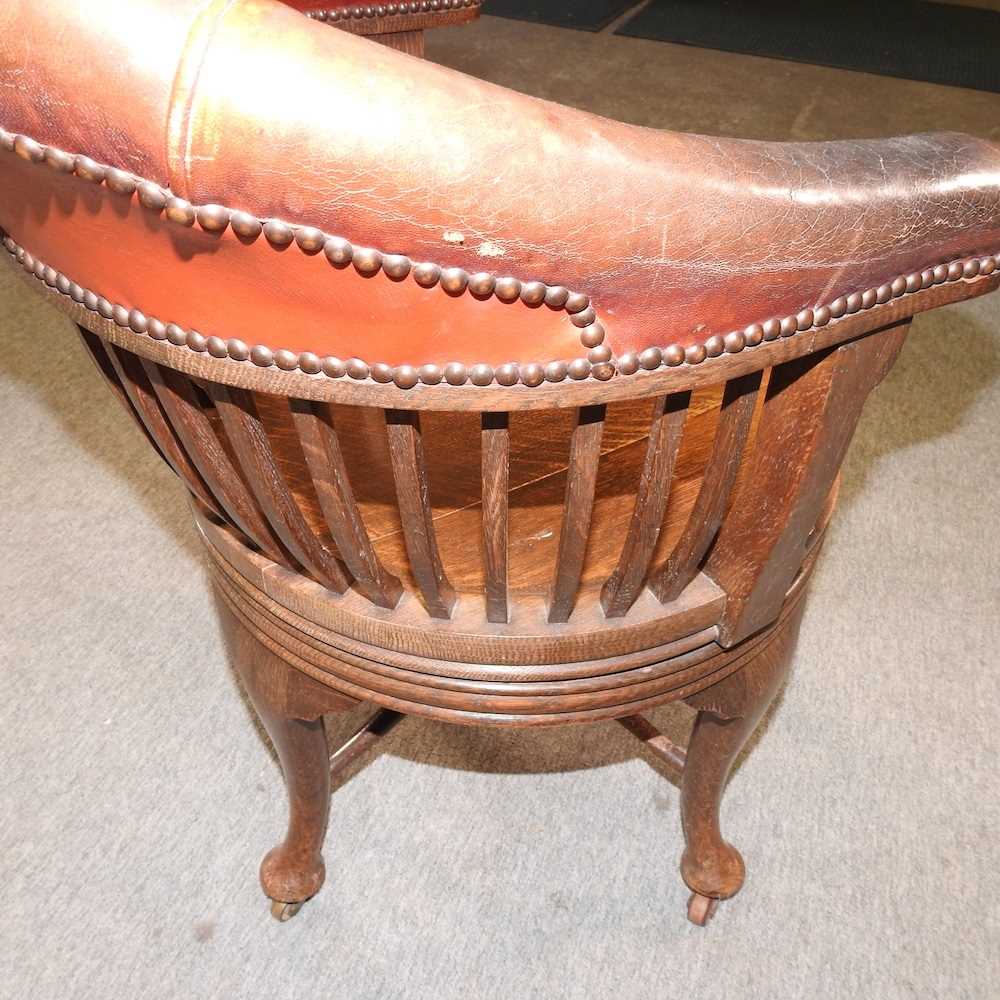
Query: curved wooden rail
x=525 y=539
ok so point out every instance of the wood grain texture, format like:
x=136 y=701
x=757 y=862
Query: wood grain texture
x=370 y=667
x=539 y=444
x=237 y=409
x=137 y=386
x=495 y=464
x=184 y=409
x=410 y=42
x=728 y=712
x=290 y=705
x=440 y=689
x=97 y=352
x=578 y=505
x=396 y=488
x=529 y=642
x=412 y=492
x=812 y=407
x=668 y=752
x=626 y=581
x=703 y=522
x=362 y=740
x=348 y=676
x=321 y=449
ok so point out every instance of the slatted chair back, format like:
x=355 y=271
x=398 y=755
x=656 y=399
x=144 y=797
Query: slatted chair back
x=580 y=511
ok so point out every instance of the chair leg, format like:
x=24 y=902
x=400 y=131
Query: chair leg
x=291 y=706
x=728 y=713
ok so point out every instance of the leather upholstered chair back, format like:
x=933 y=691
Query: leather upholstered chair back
x=507 y=382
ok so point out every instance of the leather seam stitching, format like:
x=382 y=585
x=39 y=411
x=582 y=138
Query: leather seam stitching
x=184 y=88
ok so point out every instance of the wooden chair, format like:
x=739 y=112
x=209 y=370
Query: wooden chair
x=490 y=411
x=399 y=25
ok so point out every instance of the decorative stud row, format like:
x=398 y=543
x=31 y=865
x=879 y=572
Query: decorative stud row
x=598 y=364
x=404 y=376
x=456 y=374
x=339 y=252
x=807 y=319
x=389 y=10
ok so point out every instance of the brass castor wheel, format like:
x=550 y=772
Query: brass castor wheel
x=701 y=908
x=284 y=911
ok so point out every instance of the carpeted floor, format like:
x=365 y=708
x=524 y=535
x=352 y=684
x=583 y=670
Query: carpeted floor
x=137 y=796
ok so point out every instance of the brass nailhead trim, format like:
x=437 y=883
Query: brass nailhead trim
x=599 y=362
x=389 y=10
x=340 y=253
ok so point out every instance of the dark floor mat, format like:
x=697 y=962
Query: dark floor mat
x=935 y=42
x=587 y=15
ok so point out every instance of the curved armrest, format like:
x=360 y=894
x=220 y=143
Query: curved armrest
x=466 y=205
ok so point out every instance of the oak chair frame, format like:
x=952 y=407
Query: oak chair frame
x=316 y=621
x=315 y=627
x=697 y=599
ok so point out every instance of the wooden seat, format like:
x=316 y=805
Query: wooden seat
x=506 y=500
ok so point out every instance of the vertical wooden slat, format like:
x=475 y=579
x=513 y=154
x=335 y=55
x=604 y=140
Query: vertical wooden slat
x=810 y=412
x=626 y=581
x=578 y=507
x=253 y=450
x=321 y=446
x=95 y=348
x=735 y=418
x=496 y=481
x=177 y=396
x=413 y=496
x=410 y=42
x=136 y=384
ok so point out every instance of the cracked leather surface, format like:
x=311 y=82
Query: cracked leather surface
x=249 y=104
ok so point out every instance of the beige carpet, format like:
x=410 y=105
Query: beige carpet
x=137 y=796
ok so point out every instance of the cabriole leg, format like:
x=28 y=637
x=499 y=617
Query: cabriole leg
x=728 y=713
x=291 y=707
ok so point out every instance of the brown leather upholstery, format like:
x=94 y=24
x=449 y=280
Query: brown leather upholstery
x=249 y=105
